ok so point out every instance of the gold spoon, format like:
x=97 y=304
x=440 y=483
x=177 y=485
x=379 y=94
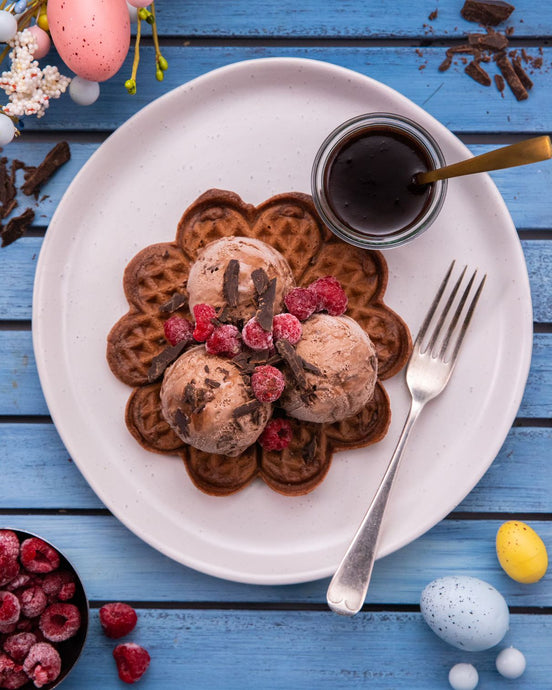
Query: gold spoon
x=522 y=153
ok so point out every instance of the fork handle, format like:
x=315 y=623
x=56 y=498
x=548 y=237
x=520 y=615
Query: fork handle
x=347 y=589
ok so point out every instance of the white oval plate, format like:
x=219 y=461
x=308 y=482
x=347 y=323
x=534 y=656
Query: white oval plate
x=254 y=127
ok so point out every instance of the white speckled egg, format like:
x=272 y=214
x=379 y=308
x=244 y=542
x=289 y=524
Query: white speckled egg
x=465 y=612
x=92 y=37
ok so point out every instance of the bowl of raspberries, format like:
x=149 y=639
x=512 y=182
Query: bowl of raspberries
x=43 y=612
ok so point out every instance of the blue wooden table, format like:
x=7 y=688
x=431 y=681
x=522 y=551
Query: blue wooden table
x=203 y=632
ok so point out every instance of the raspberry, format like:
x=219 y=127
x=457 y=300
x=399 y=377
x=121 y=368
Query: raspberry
x=18 y=645
x=178 y=330
x=225 y=341
x=287 y=327
x=11 y=674
x=33 y=601
x=60 y=622
x=301 y=302
x=267 y=383
x=203 y=315
x=276 y=435
x=9 y=553
x=132 y=661
x=19 y=581
x=10 y=609
x=330 y=295
x=59 y=586
x=43 y=664
x=255 y=337
x=38 y=557
x=117 y=619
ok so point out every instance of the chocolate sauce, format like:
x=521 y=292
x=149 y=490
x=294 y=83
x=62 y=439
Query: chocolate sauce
x=368 y=181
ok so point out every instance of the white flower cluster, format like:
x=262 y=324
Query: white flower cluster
x=28 y=87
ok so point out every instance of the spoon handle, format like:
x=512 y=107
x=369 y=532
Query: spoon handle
x=522 y=153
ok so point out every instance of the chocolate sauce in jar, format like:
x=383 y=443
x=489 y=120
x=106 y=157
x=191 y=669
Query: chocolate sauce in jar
x=369 y=181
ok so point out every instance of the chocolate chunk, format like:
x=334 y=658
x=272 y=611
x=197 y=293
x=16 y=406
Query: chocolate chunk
x=494 y=41
x=230 y=282
x=447 y=62
x=161 y=361
x=178 y=300
x=53 y=160
x=260 y=280
x=182 y=422
x=246 y=408
x=265 y=313
x=499 y=81
x=189 y=394
x=286 y=349
x=16 y=227
x=212 y=383
x=7 y=190
x=512 y=79
x=475 y=71
x=309 y=451
x=522 y=75
x=488 y=12
x=307 y=366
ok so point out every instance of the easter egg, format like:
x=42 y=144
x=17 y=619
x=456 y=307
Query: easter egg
x=8 y=26
x=84 y=92
x=7 y=130
x=139 y=3
x=92 y=37
x=463 y=677
x=42 y=41
x=465 y=612
x=521 y=552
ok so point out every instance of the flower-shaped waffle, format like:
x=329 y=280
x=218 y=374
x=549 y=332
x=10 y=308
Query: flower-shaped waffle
x=155 y=286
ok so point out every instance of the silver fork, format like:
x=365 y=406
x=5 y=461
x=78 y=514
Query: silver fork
x=428 y=372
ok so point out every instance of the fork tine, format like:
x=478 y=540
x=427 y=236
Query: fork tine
x=444 y=312
x=456 y=315
x=467 y=319
x=433 y=306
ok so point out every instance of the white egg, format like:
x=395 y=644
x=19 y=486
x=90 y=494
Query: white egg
x=7 y=130
x=133 y=12
x=510 y=663
x=8 y=26
x=84 y=92
x=463 y=677
x=465 y=612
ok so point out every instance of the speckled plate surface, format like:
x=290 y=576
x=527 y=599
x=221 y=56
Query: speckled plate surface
x=254 y=127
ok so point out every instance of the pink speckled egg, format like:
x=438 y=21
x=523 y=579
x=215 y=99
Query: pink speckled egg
x=92 y=37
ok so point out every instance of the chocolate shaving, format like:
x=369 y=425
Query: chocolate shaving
x=489 y=12
x=161 y=361
x=522 y=74
x=246 y=408
x=53 y=160
x=475 y=71
x=260 y=280
x=307 y=366
x=309 y=450
x=212 y=383
x=500 y=83
x=512 y=79
x=286 y=349
x=16 y=227
x=7 y=190
x=182 y=421
x=178 y=300
x=189 y=394
x=265 y=313
x=230 y=283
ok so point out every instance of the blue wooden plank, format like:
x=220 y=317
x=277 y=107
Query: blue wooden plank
x=452 y=97
x=114 y=564
x=303 y=650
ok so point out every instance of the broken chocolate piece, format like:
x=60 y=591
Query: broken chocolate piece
x=500 y=84
x=182 y=422
x=178 y=300
x=475 y=71
x=53 y=160
x=212 y=383
x=16 y=227
x=166 y=357
x=7 y=190
x=512 y=79
x=488 y=12
x=493 y=41
x=286 y=349
x=230 y=283
x=522 y=75
x=246 y=408
x=265 y=313
x=260 y=280
x=309 y=450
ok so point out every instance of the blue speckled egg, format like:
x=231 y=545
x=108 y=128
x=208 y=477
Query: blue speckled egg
x=465 y=612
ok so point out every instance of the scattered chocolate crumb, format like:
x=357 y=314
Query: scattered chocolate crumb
x=286 y=349
x=265 y=312
x=161 y=361
x=246 y=408
x=522 y=75
x=182 y=422
x=16 y=227
x=512 y=79
x=475 y=71
x=230 y=282
x=488 y=12
x=178 y=300
x=53 y=160
x=433 y=15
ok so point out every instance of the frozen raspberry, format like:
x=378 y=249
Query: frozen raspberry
x=12 y=675
x=287 y=327
x=178 y=330
x=38 y=557
x=225 y=340
x=60 y=622
x=330 y=295
x=59 y=586
x=43 y=664
x=276 y=435
x=255 y=337
x=9 y=553
x=27 y=625
x=267 y=383
x=10 y=609
x=19 y=644
x=33 y=601
x=301 y=302
x=204 y=326
x=117 y=619
x=132 y=661
x=19 y=581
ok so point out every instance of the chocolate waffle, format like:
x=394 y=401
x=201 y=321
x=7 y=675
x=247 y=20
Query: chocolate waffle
x=155 y=286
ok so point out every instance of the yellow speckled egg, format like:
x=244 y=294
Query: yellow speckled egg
x=521 y=552
x=92 y=37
